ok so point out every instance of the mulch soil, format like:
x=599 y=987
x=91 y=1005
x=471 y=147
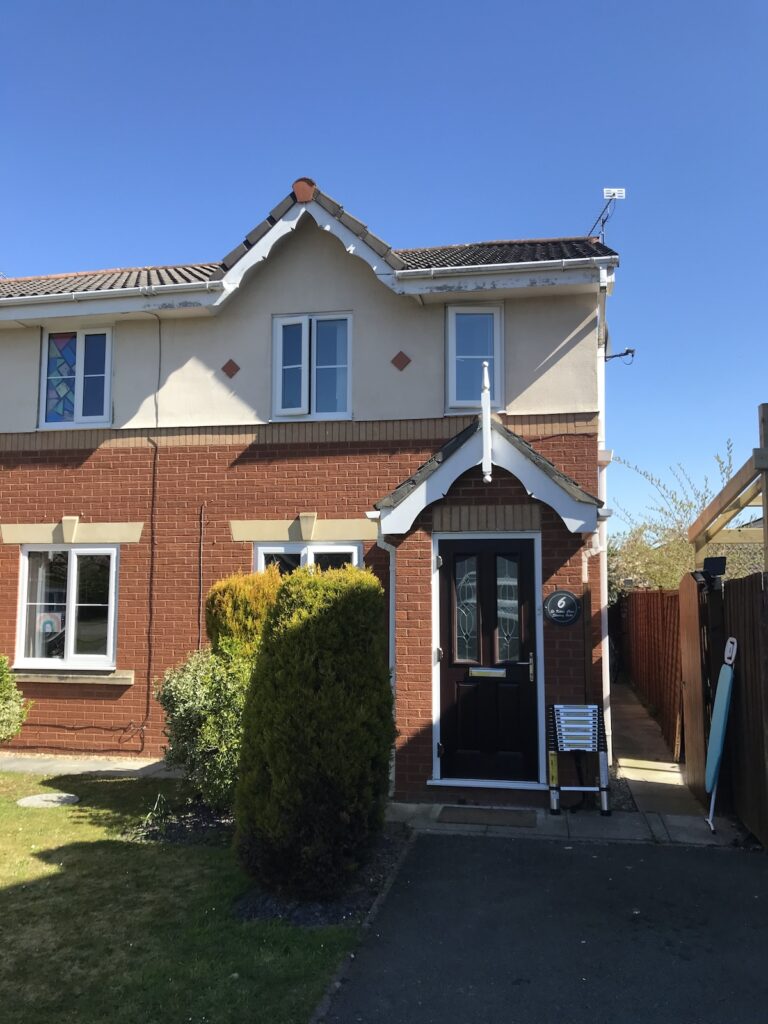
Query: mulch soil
x=197 y=824
x=351 y=907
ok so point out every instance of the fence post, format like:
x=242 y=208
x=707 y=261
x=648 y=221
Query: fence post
x=693 y=686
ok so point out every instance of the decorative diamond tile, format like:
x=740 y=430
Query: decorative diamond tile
x=401 y=360
x=230 y=368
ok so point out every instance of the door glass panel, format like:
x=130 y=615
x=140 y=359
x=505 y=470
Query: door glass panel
x=507 y=609
x=465 y=624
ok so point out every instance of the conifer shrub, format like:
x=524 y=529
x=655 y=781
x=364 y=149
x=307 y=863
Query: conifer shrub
x=203 y=701
x=13 y=707
x=237 y=606
x=317 y=734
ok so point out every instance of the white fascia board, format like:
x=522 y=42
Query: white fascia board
x=489 y=279
x=154 y=299
x=289 y=222
x=500 y=268
x=578 y=516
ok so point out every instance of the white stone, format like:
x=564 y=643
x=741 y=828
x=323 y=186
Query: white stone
x=48 y=800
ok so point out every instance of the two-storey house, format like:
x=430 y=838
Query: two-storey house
x=312 y=398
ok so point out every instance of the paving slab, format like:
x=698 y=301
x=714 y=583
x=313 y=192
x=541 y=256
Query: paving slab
x=491 y=931
x=685 y=828
x=47 y=764
x=620 y=826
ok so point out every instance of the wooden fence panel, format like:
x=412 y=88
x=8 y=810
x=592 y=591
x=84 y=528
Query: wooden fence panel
x=746 y=618
x=652 y=656
x=693 y=684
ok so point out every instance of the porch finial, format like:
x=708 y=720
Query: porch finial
x=485 y=410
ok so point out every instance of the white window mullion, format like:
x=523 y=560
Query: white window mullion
x=112 y=609
x=69 y=612
x=79 y=373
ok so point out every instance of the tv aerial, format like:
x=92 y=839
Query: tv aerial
x=610 y=195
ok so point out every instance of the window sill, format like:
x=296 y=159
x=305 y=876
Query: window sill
x=78 y=677
x=94 y=425
x=317 y=417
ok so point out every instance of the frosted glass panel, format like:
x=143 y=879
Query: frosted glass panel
x=465 y=624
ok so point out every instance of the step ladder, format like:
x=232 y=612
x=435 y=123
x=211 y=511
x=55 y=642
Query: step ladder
x=576 y=728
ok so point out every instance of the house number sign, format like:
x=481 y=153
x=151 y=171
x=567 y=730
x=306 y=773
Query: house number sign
x=563 y=608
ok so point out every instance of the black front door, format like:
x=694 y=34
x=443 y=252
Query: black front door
x=488 y=705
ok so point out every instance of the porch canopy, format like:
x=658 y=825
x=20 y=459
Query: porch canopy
x=541 y=479
x=747 y=488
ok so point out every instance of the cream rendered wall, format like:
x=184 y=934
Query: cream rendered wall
x=19 y=379
x=550 y=354
x=550 y=349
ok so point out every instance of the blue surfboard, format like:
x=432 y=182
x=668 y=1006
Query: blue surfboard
x=719 y=724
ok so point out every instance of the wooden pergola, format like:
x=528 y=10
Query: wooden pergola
x=746 y=489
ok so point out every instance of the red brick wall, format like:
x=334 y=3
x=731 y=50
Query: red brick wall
x=232 y=482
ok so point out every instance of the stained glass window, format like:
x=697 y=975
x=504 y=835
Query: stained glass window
x=466 y=608
x=76 y=377
x=60 y=392
x=507 y=609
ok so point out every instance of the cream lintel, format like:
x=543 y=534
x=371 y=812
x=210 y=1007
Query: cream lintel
x=70 y=531
x=303 y=528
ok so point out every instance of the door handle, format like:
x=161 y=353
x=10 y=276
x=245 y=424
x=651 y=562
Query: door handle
x=531 y=667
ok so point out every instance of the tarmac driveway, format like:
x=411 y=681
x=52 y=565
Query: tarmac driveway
x=486 y=930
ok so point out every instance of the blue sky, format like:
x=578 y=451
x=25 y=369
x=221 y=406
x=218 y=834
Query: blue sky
x=162 y=132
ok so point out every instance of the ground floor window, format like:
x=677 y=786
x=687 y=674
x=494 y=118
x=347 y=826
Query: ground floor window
x=288 y=557
x=67 y=607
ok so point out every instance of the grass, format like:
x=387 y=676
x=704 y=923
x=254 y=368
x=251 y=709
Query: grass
x=96 y=927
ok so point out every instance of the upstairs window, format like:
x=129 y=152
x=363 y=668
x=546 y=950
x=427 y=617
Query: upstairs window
x=75 y=378
x=311 y=366
x=474 y=337
x=67 y=607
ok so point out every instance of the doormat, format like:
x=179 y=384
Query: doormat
x=487 y=816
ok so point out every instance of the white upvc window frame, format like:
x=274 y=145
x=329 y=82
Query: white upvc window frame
x=307 y=551
x=70 y=659
x=452 y=402
x=79 y=420
x=306 y=409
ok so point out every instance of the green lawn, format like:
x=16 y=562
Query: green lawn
x=94 y=927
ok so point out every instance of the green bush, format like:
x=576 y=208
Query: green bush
x=13 y=708
x=237 y=606
x=203 y=702
x=317 y=734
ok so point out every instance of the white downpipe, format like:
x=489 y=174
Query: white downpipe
x=392 y=551
x=602 y=526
